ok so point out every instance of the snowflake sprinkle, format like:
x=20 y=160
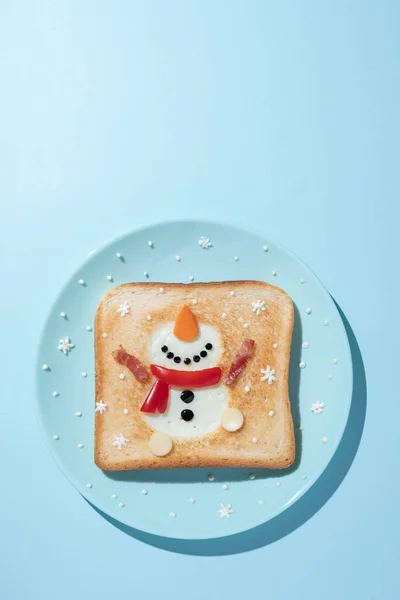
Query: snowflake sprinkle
x=225 y=511
x=123 y=309
x=101 y=407
x=317 y=407
x=258 y=306
x=268 y=375
x=205 y=243
x=65 y=345
x=120 y=441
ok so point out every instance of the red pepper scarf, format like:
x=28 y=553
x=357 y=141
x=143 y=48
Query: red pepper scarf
x=157 y=398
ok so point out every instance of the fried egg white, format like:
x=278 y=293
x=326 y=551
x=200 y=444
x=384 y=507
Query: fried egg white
x=208 y=403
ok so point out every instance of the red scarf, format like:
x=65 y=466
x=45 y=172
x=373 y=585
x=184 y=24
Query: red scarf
x=157 y=398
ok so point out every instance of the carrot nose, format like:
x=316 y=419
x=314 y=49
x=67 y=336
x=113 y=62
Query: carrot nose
x=186 y=327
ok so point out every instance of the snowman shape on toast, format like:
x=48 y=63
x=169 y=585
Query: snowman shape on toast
x=189 y=397
x=190 y=353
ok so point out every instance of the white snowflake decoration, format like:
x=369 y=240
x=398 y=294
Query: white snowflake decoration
x=123 y=309
x=268 y=375
x=65 y=345
x=317 y=407
x=225 y=511
x=120 y=441
x=258 y=306
x=101 y=407
x=205 y=243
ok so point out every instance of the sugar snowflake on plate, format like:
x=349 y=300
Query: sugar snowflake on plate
x=225 y=511
x=120 y=441
x=205 y=243
x=317 y=407
x=268 y=375
x=65 y=345
x=101 y=407
x=123 y=309
x=258 y=306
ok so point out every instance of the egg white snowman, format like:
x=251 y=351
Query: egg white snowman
x=192 y=351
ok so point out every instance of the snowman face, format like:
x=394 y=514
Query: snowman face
x=196 y=412
x=203 y=352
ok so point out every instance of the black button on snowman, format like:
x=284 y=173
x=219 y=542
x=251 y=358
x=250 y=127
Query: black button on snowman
x=187 y=397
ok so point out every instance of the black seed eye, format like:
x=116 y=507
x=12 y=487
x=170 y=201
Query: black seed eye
x=196 y=358
x=203 y=354
x=187 y=361
x=208 y=346
x=177 y=359
x=187 y=396
x=187 y=415
x=164 y=349
x=170 y=355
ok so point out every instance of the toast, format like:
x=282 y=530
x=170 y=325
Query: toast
x=193 y=375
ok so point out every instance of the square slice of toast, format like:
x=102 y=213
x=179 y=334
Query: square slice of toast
x=173 y=360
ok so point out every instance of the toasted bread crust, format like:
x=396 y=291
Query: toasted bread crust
x=275 y=446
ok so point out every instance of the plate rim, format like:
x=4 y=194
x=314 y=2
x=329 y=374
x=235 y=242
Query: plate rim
x=207 y=222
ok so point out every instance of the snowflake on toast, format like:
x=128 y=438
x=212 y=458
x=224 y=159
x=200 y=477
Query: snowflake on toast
x=123 y=309
x=258 y=306
x=101 y=407
x=205 y=243
x=225 y=511
x=65 y=345
x=120 y=441
x=317 y=407
x=268 y=375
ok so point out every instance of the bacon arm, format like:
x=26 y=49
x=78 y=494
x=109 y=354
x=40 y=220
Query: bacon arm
x=137 y=369
x=240 y=361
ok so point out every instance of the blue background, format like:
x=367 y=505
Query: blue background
x=282 y=115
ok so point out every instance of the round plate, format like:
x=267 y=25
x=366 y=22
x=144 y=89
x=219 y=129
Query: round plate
x=185 y=503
